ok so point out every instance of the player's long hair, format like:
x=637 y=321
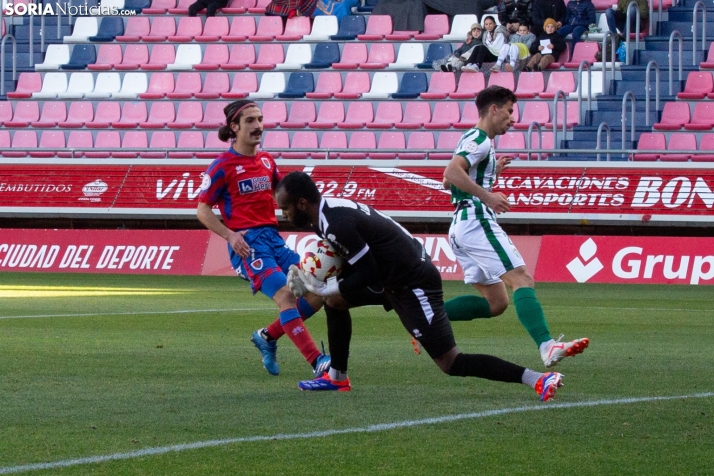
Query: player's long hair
x=233 y=112
x=300 y=185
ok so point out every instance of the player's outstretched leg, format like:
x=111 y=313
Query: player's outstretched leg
x=268 y=348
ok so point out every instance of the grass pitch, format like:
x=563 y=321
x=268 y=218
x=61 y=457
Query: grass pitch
x=97 y=366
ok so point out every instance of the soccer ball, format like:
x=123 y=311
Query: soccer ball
x=320 y=261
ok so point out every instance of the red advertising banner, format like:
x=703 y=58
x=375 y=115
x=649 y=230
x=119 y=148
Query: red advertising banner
x=626 y=259
x=104 y=251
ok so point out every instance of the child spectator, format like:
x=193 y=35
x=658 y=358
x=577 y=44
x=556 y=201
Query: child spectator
x=457 y=59
x=517 y=49
x=493 y=39
x=553 y=49
x=580 y=15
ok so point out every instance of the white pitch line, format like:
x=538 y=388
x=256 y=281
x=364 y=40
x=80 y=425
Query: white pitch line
x=137 y=313
x=630 y=308
x=325 y=433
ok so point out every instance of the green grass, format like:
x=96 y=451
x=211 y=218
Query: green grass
x=126 y=372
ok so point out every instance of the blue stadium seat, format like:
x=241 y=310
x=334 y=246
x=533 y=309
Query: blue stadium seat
x=435 y=52
x=350 y=27
x=298 y=85
x=81 y=56
x=411 y=86
x=324 y=55
x=109 y=29
x=137 y=5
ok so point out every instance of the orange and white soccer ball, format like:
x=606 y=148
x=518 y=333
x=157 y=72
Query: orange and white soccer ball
x=320 y=261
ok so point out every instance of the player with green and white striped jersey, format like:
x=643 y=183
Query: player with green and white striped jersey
x=488 y=257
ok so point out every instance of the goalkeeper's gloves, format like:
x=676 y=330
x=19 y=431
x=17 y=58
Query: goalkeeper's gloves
x=295 y=284
x=309 y=283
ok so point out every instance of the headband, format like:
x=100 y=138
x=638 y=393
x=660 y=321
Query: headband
x=244 y=106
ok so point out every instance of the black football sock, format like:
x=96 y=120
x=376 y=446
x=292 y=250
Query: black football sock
x=486 y=366
x=339 y=334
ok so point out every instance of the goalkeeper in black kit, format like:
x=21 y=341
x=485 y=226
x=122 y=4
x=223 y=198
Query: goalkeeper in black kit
x=383 y=264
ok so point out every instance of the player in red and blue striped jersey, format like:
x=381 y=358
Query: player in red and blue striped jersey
x=241 y=182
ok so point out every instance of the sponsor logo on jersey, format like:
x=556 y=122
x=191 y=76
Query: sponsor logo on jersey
x=239 y=169
x=255 y=184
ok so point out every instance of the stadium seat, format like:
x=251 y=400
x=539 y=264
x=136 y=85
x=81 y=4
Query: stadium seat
x=680 y=141
x=274 y=113
x=324 y=55
x=411 y=86
x=584 y=51
x=214 y=29
x=132 y=114
x=159 y=7
x=181 y=7
x=301 y=113
x=707 y=143
x=79 y=84
x=410 y=55
x=511 y=140
x=27 y=83
x=107 y=57
x=21 y=140
x=106 y=113
x=558 y=81
x=548 y=143
x=353 y=54
x=416 y=141
x=213 y=116
x=330 y=114
x=159 y=86
x=469 y=86
x=243 y=84
x=109 y=29
x=137 y=5
x=469 y=116
x=241 y=29
x=299 y=84
x=190 y=142
x=268 y=57
x=445 y=145
x=84 y=27
x=534 y=111
x=79 y=113
x=131 y=140
x=276 y=142
x=436 y=51
x=105 y=86
x=296 y=56
x=136 y=28
x=440 y=86
x=270 y=85
x=55 y=57
x=104 y=140
x=25 y=113
x=358 y=115
x=328 y=84
x=356 y=84
x=389 y=140
x=360 y=140
x=388 y=113
x=160 y=141
x=162 y=27
x=323 y=27
x=367 y=6
x=81 y=140
x=295 y=29
x=240 y=57
x=5 y=112
x=674 y=116
x=132 y=85
x=596 y=85
x=216 y=55
x=445 y=114
x=416 y=114
x=214 y=85
x=350 y=27
x=5 y=142
x=504 y=79
x=186 y=57
x=187 y=84
x=529 y=86
x=383 y=84
x=268 y=28
x=650 y=141
x=212 y=142
x=698 y=85
x=332 y=140
x=702 y=117
x=188 y=114
x=52 y=84
x=52 y=112
x=709 y=63
x=188 y=28
x=161 y=56
x=380 y=56
x=562 y=59
x=134 y=57
x=377 y=27
x=435 y=27
x=301 y=140
x=573 y=115
x=460 y=26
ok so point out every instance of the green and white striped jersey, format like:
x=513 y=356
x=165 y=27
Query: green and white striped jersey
x=477 y=149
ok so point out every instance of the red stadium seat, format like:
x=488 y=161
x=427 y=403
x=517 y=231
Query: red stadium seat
x=187 y=84
x=333 y=140
x=573 y=115
x=80 y=112
x=214 y=85
x=441 y=85
x=680 y=141
x=268 y=57
x=353 y=54
x=707 y=143
x=132 y=140
x=190 y=142
x=132 y=114
x=214 y=29
x=380 y=55
x=82 y=140
x=274 y=113
x=212 y=142
x=530 y=84
x=107 y=113
x=328 y=83
x=160 y=114
x=238 y=7
x=159 y=140
x=469 y=118
x=534 y=111
x=5 y=142
x=27 y=84
x=26 y=112
x=559 y=81
x=650 y=141
x=702 y=117
x=181 y=7
x=21 y=140
x=136 y=27
x=674 y=116
x=295 y=29
x=50 y=141
x=162 y=27
x=134 y=57
x=5 y=112
x=504 y=79
x=389 y=140
x=416 y=141
x=388 y=113
x=188 y=28
x=446 y=144
x=435 y=26
x=358 y=115
x=356 y=84
x=268 y=29
x=360 y=140
x=445 y=114
x=188 y=114
x=698 y=85
x=301 y=113
x=378 y=26
x=584 y=51
x=276 y=142
x=469 y=86
x=511 y=140
x=52 y=113
x=302 y=140
x=243 y=84
x=161 y=55
x=416 y=114
x=159 y=7
x=160 y=85
x=709 y=63
x=216 y=55
x=241 y=29
x=105 y=140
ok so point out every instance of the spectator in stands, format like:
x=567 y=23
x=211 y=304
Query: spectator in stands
x=580 y=15
x=518 y=49
x=457 y=59
x=616 y=17
x=493 y=39
x=548 y=47
x=544 y=9
x=514 y=13
x=211 y=6
x=291 y=8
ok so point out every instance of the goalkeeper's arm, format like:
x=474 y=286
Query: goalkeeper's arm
x=363 y=273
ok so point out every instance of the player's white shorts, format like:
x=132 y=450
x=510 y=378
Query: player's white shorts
x=483 y=250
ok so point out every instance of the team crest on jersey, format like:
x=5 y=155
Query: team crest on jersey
x=257 y=264
x=471 y=146
x=266 y=162
x=205 y=181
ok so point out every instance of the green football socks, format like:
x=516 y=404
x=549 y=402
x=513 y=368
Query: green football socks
x=466 y=308
x=530 y=313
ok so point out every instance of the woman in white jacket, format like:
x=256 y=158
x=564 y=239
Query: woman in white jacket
x=493 y=39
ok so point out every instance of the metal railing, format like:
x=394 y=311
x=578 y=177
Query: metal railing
x=678 y=35
x=607 y=35
x=647 y=90
x=529 y=139
x=557 y=96
x=584 y=65
x=2 y=61
x=628 y=52
x=694 y=29
x=631 y=96
x=603 y=125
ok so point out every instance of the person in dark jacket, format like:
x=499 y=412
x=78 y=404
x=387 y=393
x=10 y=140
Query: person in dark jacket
x=617 y=17
x=514 y=13
x=580 y=15
x=211 y=6
x=544 y=9
x=545 y=54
